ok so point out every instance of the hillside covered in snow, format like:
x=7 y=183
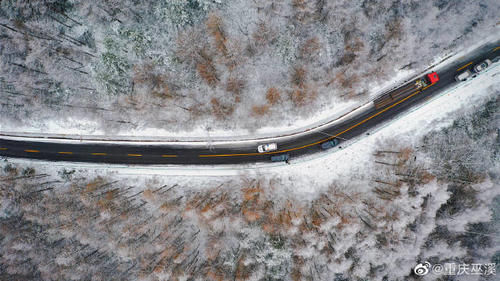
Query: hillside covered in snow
x=421 y=187
x=110 y=67
x=371 y=211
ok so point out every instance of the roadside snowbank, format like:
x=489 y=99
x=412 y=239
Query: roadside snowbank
x=344 y=162
x=204 y=135
x=338 y=223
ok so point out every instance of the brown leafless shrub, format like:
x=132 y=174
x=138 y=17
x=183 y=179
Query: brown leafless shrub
x=215 y=275
x=317 y=218
x=94 y=184
x=197 y=110
x=243 y=271
x=426 y=177
x=163 y=92
x=346 y=81
x=353 y=46
x=347 y=58
x=278 y=221
x=260 y=110
x=219 y=110
x=304 y=11
x=299 y=76
x=296 y=274
x=235 y=85
x=397 y=167
x=141 y=73
x=252 y=192
x=272 y=95
x=235 y=54
x=229 y=51
x=214 y=26
x=302 y=96
x=207 y=71
x=405 y=154
x=263 y=35
x=253 y=202
x=148 y=195
x=310 y=48
x=299 y=4
x=145 y=76
x=298 y=97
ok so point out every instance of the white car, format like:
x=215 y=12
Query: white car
x=463 y=76
x=482 y=66
x=267 y=147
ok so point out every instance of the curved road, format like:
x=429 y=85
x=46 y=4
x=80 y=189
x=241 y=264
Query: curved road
x=305 y=144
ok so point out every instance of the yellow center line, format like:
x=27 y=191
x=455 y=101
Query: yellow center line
x=31 y=150
x=65 y=152
x=98 y=153
x=497 y=48
x=464 y=66
x=3 y=148
x=168 y=155
x=329 y=138
x=135 y=155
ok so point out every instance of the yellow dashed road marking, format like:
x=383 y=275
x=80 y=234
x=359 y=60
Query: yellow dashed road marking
x=318 y=142
x=497 y=48
x=275 y=152
x=464 y=66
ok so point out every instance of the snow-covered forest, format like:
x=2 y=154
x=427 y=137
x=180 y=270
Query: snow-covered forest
x=117 y=66
x=180 y=65
x=436 y=200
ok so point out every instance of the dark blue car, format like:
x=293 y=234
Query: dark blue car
x=329 y=144
x=280 y=157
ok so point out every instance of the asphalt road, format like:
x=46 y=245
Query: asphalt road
x=302 y=145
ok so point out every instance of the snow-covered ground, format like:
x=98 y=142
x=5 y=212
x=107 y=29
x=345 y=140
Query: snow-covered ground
x=207 y=141
x=322 y=216
x=119 y=81
x=77 y=129
x=265 y=134
x=368 y=210
x=410 y=127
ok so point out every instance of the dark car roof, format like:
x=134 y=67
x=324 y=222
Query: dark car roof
x=280 y=157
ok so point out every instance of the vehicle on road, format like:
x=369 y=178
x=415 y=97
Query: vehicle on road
x=280 y=157
x=406 y=90
x=329 y=144
x=463 y=76
x=267 y=147
x=427 y=80
x=482 y=66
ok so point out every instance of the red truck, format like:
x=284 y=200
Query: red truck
x=400 y=93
